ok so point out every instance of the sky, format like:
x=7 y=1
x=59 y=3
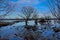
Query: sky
x=40 y=5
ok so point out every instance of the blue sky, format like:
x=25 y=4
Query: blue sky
x=40 y=5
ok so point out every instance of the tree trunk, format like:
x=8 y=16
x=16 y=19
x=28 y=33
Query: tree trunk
x=26 y=22
x=36 y=22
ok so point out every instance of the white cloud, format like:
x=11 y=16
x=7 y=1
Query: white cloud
x=30 y=1
x=27 y=2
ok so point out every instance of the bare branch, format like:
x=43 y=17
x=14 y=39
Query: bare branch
x=54 y=7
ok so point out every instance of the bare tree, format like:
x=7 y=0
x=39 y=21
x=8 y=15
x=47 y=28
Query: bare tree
x=54 y=7
x=35 y=16
x=27 y=12
x=6 y=7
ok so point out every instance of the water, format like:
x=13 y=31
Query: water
x=16 y=31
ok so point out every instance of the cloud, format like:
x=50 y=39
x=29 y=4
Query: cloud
x=20 y=3
x=30 y=1
x=26 y=2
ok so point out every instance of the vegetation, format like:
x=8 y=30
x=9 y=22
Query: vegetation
x=54 y=7
x=28 y=13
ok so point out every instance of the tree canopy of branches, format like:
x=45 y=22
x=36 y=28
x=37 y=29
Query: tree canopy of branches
x=5 y=7
x=54 y=6
x=28 y=12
